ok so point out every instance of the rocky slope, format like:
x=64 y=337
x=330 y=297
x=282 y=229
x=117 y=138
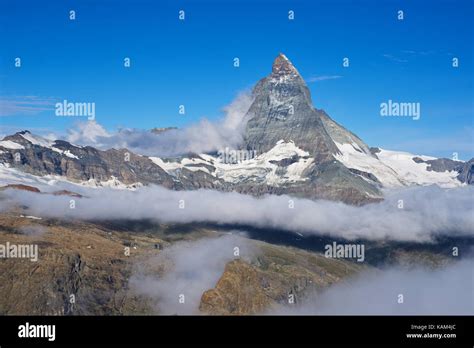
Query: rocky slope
x=87 y=260
x=465 y=169
x=278 y=276
x=35 y=155
x=283 y=110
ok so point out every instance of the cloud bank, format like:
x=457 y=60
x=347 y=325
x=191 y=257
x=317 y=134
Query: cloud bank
x=428 y=211
x=204 y=136
x=190 y=269
x=446 y=291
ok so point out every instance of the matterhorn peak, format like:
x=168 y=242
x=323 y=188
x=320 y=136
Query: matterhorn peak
x=283 y=66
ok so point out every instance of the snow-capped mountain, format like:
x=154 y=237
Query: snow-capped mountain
x=295 y=149
x=59 y=159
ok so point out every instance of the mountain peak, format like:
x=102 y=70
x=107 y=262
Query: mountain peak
x=282 y=110
x=283 y=66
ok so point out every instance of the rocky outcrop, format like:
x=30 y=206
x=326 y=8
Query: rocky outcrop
x=20 y=187
x=278 y=276
x=81 y=163
x=283 y=110
x=466 y=172
x=237 y=292
x=162 y=130
x=37 y=156
x=37 y=190
x=465 y=169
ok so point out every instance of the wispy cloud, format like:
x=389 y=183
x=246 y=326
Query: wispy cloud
x=25 y=105
x=202 y=136
x=404 y=56
x=394 y=58
x=323 y=78
x=191 y=267
x=419 y=53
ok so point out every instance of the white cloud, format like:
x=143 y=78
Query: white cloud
x=190 y=269
x=88 y=132
x=428 y=211
x=445 y=291
x=200 y=137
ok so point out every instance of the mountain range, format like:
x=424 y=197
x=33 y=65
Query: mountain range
x=297 y=150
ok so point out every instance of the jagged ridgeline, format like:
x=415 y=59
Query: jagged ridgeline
x=283 y=110
x=296 y=149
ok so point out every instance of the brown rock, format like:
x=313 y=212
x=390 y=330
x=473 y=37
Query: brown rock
x=67 y=193
x=237 y=292
x=21 y=187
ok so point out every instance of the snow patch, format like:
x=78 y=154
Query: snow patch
x=113 y=182
x=394 y=168
x=36 y=140
x=417 y=173
x=8 y=144
x=167 y=166
x=31 y=217
x=9 y=175
x=66 y=153
x=261 y=168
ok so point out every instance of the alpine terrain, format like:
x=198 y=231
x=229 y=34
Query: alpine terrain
x=103 y=225
x=299 y=150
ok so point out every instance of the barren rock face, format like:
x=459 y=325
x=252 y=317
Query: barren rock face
x=282 y=110
x=238 y=291
x=80 y=164
x=83 y=163
x=269 y=280
x=466 y=173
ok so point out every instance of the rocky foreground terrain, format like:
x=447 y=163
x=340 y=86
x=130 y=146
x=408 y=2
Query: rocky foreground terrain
x=88 y=260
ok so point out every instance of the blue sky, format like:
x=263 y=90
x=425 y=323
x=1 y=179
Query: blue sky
x=191 y=63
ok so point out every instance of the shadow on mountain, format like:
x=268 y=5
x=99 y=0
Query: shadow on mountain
x=377 y=253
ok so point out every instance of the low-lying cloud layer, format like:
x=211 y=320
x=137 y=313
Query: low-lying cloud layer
x=204 y=136
x=427 y=211
x=447 y=291
x=190 y=269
